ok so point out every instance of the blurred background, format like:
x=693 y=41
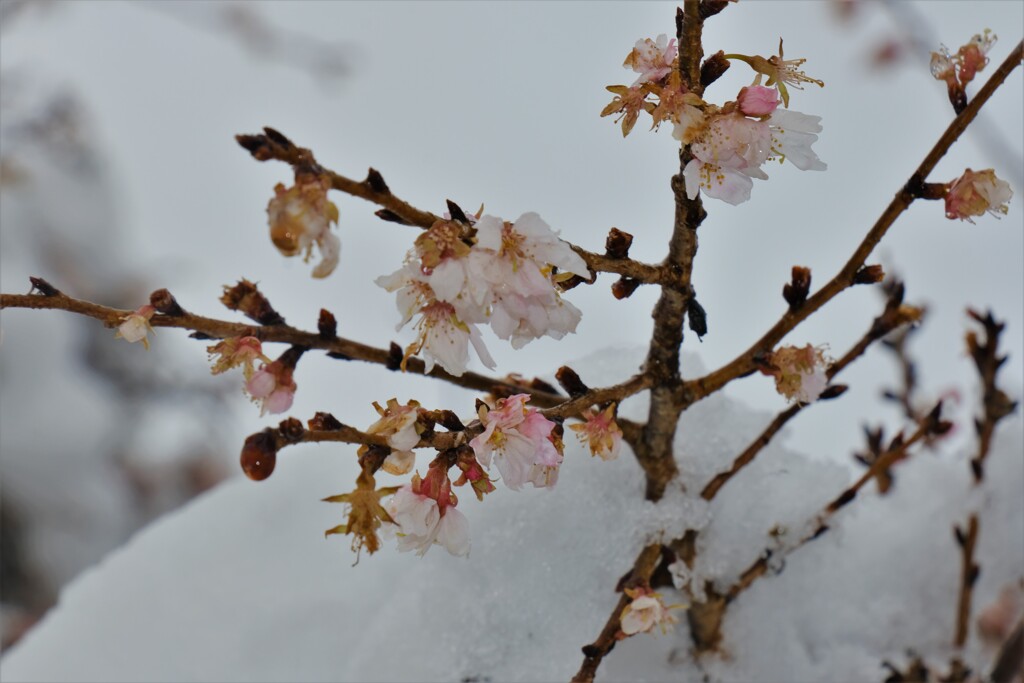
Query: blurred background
x=119 y=175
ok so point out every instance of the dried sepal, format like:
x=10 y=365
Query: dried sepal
x=365 y=513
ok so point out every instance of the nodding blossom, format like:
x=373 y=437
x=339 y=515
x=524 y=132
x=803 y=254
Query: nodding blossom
x=976 y=193
x=801 y=373
x=521 y=442
x=273 y=387
x=423 y=514
x=652 y=60
x=135 y=326
x=645 y=612
x=600 y=433
x=300 y=217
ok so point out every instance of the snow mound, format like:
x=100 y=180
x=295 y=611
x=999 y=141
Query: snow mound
x=242 y=585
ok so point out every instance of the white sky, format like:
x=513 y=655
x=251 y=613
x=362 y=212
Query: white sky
x=498 y=103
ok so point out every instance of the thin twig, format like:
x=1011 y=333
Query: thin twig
x=559 y=406
x=968 y=574
x=996 y=404
x=897 y=452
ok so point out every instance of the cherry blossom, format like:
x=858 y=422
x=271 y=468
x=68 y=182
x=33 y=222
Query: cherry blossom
x=234 y=352
x=521 y=442
x=135 y=326
x=600 y=433
x=801 y=373
x=652 y=60
x=423 y=513
x=975 y=193
x=731 y=148
x=301 y=216
x=398 y=424
x=645 y=612
x=273 y=387
x=521 y=269
x=443 y=337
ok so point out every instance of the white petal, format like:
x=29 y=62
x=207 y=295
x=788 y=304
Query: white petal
x=488 y=232
x=448 y=279
x=453 y=532
x=330 y=249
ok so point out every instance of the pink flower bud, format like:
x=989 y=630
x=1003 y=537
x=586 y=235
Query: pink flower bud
x=757 y=100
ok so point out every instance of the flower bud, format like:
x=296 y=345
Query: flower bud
x=259 y=455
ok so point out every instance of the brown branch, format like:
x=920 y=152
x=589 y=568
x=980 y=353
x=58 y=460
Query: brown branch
x=557 y=407
x=744 y=364
x=654 y=450
x=643 y=568
x=273 y=145
x=894 y=316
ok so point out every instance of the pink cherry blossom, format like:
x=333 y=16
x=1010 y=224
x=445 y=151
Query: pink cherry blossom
x=424 y=513
x=135 y=326
x=521 y=442
x=273 y=387
x=522 y=259
x=443 y=336
x=975 y=193
x=652 y=60
x=600 y=433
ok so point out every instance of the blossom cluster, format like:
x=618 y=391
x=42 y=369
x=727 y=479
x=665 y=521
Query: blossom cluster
x=461 y=275
x=729 y=143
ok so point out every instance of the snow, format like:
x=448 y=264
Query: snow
x=242 y=585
